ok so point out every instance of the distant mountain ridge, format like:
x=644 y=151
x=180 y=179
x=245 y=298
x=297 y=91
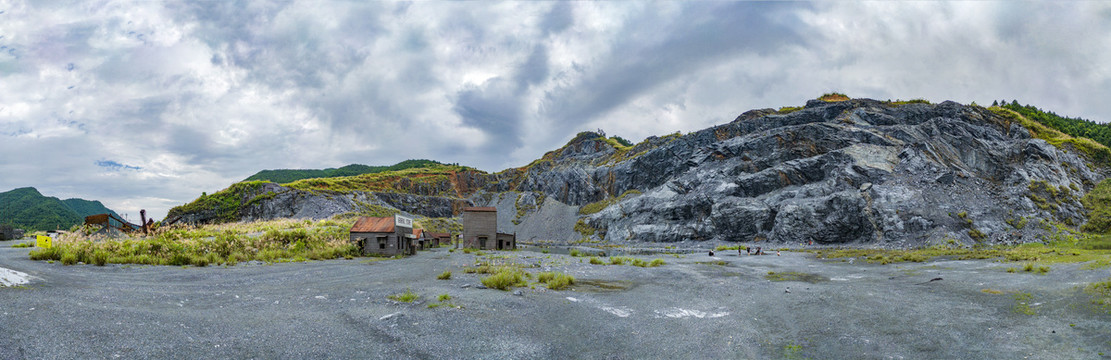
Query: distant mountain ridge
x=284 y=176
x=29 y=209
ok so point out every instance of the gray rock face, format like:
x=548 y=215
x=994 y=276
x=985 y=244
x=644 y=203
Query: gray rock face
x=858 y=171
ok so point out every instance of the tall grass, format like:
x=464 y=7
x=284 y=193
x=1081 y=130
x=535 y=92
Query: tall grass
x=227 y=244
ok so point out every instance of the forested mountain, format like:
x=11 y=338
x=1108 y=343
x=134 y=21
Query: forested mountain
x=283 y=176
x=28 y=209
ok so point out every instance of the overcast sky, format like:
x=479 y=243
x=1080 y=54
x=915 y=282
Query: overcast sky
x=146 y=104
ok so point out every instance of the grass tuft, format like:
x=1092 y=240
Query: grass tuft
x=406 y=297
x=505 y=279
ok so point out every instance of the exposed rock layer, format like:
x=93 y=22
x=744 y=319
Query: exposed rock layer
x=839 y=172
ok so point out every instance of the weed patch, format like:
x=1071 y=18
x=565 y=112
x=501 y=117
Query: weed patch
x=556 y=281
x=505 y=279
x=406 y=297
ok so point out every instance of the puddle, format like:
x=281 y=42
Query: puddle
x=602 y=285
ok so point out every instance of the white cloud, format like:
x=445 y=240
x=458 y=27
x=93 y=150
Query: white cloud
x=201 y=94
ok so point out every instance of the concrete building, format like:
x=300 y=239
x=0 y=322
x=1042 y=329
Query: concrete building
x=480 y=230
x=387 y=236
x=507 y=241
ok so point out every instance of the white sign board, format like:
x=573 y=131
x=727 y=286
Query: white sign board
x=402 y=221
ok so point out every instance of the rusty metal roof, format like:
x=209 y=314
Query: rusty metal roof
x=373 y=225
x=438 y=235
x=418 y=232
x=481 y=209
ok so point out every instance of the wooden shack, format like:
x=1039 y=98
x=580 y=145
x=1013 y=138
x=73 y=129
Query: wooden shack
x=439 y=239
x=420 y=242
x=387 y=236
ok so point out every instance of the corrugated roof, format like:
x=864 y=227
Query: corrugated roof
x=438 y=235
x=373 y=225
x=481 y=209
x=418 y=232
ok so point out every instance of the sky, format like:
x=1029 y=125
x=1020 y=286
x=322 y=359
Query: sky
x=147 y=104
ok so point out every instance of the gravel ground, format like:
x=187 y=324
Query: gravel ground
x=693 y=307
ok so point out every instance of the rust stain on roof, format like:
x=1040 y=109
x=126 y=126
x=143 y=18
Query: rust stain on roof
x=418 y=232
x=373 y=225
x=481 y=209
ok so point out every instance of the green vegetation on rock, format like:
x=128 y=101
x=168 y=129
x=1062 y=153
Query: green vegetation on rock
x=224 y=203
x=1091 y=149
x=290 y=175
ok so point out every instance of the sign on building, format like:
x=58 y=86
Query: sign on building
x=402 y=221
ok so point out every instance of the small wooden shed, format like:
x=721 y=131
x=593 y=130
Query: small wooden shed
x=387 y=236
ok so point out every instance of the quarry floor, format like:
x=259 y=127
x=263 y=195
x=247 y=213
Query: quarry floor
x=695 y=306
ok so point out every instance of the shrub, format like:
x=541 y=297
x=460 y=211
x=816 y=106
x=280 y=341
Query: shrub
x=406 y=297
x=596 y=261
x=656 y=262
x=69 y=259
x=640 y=263
x=618 y=260
x=556 y=281
x=505 y=279
x=100 y=258
x=446 y=275
x=575 y=253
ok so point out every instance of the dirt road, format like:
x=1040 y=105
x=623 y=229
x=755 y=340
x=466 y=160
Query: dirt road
x=693 y=307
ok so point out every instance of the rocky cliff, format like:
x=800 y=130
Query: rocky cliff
x=856 y=171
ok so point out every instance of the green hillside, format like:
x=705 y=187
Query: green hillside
x=1076 y=127
x=28 y=209
x=284 y=176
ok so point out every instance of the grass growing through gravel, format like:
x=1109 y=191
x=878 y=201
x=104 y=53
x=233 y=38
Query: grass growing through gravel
x=23 y=245
x=1065 y=246
x=556 y=281
x=1101 y=293
x=795 y=276
x=406 y=297
x=446 y=275
x=443 y=300
x=505 y=278
x=623 y=260
x=1022 y=303
x=227 y=244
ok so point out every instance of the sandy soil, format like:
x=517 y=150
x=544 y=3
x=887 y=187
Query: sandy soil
x=696 y=306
